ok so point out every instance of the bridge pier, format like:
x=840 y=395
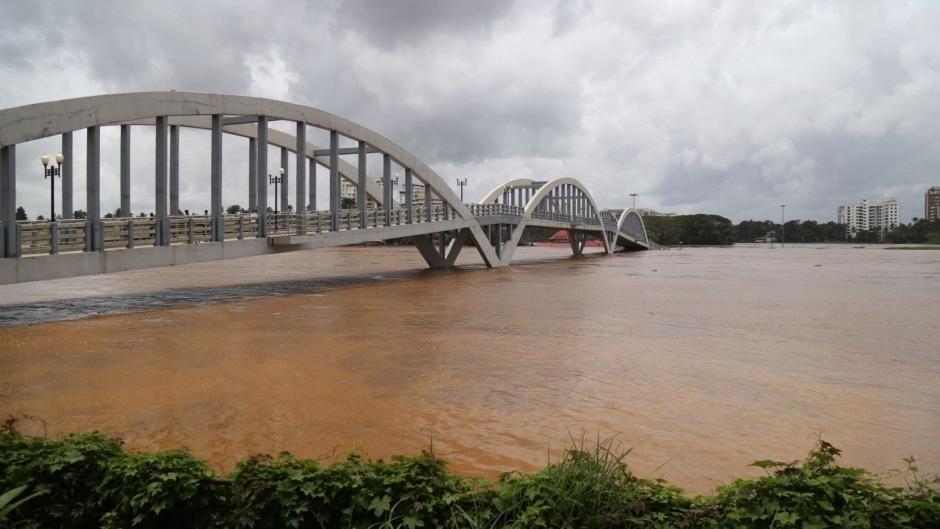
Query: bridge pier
x=161 y=235
x=361 y=185
x=300 y=184
x=67 y=172
x=125 y=171
x=215 y=170
x=93 y=189
x=174 y=170
x=387 y=188
x=252 y=174
x=262 y=183
x=11 y=244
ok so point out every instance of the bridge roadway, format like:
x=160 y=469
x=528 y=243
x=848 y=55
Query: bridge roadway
x=430 y=214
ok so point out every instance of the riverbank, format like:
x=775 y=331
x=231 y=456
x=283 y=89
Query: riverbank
x=589 y=486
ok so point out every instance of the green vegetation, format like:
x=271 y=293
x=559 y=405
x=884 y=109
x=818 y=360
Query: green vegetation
x=690 y=229
x=88 y=480
x=714 y=229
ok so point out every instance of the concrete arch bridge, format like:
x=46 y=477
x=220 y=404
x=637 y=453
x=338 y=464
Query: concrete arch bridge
x=430 y=212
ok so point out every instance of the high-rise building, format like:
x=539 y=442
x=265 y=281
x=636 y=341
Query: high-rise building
x=932 y=204
x=865 y=216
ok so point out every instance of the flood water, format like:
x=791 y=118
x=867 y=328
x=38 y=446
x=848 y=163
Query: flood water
x=702 y=360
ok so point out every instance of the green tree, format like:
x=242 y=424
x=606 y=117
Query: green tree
x=348 y=203
x=21 y=214
x=234 y=209
x=79 y=214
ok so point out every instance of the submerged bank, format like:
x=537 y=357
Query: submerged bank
x=89 y=480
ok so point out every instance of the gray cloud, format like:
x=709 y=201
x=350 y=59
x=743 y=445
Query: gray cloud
x=725 y=107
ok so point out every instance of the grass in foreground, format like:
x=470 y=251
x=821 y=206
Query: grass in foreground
x=88 y=480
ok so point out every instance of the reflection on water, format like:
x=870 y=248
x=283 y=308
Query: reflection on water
x=703 y=359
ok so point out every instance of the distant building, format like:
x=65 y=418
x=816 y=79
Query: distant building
x=932 y=204
x=348 y=189
x=767 y=237
x=865 y=216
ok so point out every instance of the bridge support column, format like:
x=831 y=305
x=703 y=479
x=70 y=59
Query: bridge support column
x=67 y=173
x=334 y=180
x=10 y=244
x=262 y=186
x=161 y=233
x=284 y=181
x=312 y=189
x=126 y=171
x=409 y=192
x=387 y=187
x=215 y=170
x=300 y=179
x=361 y=185
x=93 y=189
x=175 y=170
x=252 y=174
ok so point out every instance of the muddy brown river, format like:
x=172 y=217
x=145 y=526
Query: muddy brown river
x=702 y=360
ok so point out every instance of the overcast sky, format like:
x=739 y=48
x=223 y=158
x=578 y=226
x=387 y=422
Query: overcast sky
x=721 y=107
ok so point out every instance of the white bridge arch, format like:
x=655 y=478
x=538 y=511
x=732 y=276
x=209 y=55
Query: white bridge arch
x=96 y=244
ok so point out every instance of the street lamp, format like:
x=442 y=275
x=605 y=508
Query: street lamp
x=782 y=207
x=51 y=173
x=461 y=183
x=634 y=199
x=276 y=180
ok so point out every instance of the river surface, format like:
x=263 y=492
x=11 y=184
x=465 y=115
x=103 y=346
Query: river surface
x=703 y=360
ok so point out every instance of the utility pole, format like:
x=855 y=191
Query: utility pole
x=461 y=182
x=782 y=207
x=634 y=199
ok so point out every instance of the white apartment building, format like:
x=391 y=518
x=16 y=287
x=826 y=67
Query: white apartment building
x=865 y=216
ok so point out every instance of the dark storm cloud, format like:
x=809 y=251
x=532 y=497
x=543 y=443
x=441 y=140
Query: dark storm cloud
x=409 y=21
x=726 y=107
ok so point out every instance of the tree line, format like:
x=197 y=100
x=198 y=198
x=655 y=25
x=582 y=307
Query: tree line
x=702 y=229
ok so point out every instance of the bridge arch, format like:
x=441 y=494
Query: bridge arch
x=41 y=120
x=631 y=223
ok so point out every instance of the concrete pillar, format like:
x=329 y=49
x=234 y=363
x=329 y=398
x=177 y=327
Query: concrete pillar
x=215 y=172
x=387 y=187
x=93 y=189
x=126 y=171
x=361 y=185
x=8 y=200
x=160 y=177
x=409 y=192
x=252 y=174
x=262 y=185
x=312 y=189
x=67 y=172
x=174 y=169
x=285 y=179
x=334 y=180
x=300 y=185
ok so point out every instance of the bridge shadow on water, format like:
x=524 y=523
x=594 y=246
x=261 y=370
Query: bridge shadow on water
x=77 y=308
x=69 y=309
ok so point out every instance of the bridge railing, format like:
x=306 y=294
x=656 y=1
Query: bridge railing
x=485 y=210
x=44 y=237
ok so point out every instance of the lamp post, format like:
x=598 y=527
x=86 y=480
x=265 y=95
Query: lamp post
x=461 y=183
x=51 y=173
x=634 y=199
x=782 y=207
x=276 y=180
